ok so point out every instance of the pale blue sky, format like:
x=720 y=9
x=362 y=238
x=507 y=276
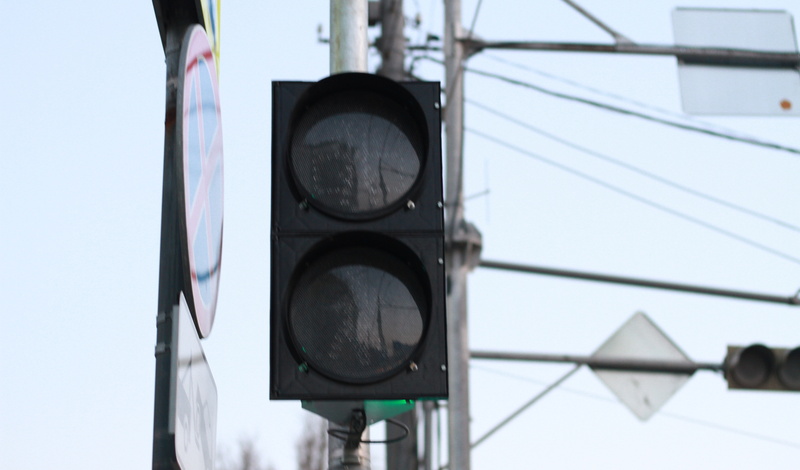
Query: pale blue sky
x=82 y=102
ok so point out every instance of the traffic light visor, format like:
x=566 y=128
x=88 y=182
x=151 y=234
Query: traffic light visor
x=357 y=314
x=357 y=153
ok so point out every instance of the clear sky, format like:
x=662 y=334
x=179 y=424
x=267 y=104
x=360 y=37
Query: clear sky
x=82 y=103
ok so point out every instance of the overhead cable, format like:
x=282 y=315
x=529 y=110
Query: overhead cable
x=635 y=169
x=639 y=198
x=627 y=112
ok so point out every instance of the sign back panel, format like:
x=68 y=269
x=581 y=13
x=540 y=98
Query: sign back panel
x=719 y=89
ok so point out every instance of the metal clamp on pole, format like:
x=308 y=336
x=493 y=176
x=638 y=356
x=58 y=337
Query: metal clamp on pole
x=348 y=450
x=467 y=239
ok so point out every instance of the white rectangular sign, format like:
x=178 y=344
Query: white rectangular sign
x=737 y=90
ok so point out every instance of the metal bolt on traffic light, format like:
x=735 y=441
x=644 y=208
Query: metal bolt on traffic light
x=758 y=367
x=357 y=240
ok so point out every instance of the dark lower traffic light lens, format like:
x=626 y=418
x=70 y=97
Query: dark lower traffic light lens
x=357 y=314
x=356 y=154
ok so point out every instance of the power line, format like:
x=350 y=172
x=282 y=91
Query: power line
x=638 y=198
x=636 y=169
x=614 y=96
x=628 y=112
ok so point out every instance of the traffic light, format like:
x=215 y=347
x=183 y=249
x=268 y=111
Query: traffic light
x=757 y=367
x=357 y=272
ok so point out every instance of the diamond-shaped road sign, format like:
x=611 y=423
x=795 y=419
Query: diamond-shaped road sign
x=642 y=392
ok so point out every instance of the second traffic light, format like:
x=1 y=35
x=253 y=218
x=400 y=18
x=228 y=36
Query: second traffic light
x=357 y=278
x=757 y=367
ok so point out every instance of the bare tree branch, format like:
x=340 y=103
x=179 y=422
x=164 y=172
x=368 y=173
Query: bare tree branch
x=312 y=446
x=247 y=458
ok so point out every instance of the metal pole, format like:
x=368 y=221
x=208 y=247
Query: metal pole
x=587 y=276
x=402 y=455
x=347 y=454
x=708 y=55
x=427 y=407
x=454 y=110
x=349 y=42
x=170 y=274
x=606 y=363
x=459 y=245
x=348 y=53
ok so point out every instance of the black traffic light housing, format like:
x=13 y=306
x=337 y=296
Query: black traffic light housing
x=758 y=367
x=357 y=281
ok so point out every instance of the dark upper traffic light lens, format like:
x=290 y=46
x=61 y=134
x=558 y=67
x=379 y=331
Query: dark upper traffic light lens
x=753 y=365
x=356 y=154
x=357 y=314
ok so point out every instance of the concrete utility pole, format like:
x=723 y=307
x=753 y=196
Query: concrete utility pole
x=463 y=243
x=392 y=43
x=348 y=53
x=401 y=455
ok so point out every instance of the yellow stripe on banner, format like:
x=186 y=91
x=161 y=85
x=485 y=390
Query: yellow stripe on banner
x=211 y=15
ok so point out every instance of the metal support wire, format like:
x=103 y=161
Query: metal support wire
x=618 y=38
x=525 y=406
x=639 y=365
x=519 y=411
